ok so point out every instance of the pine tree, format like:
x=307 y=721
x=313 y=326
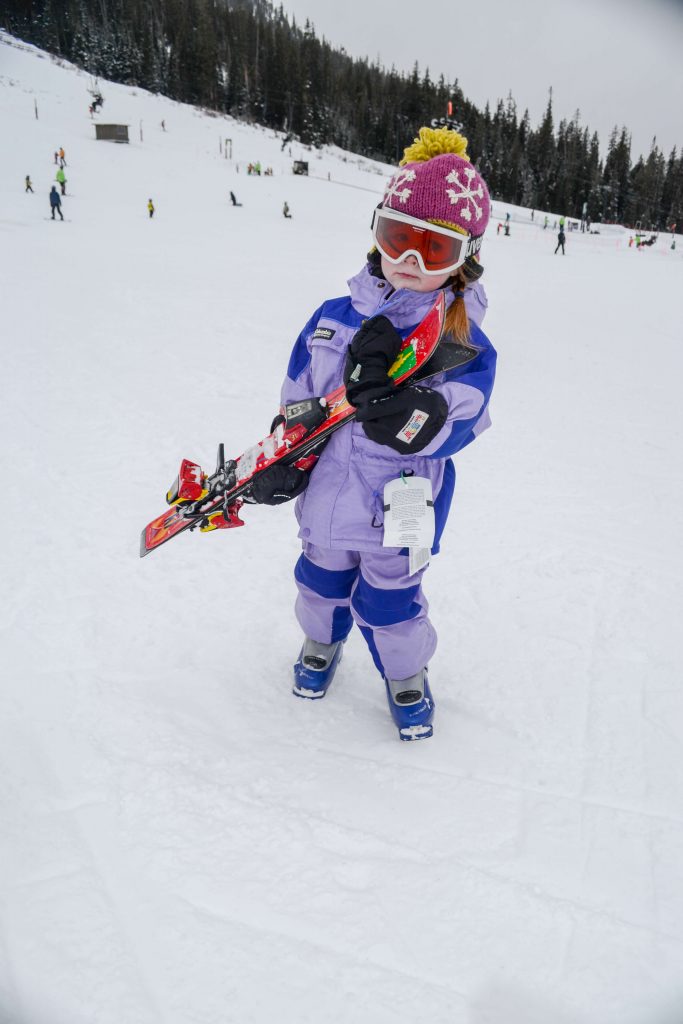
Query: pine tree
x=544 y=158
x=615 y=182
x=672 y=193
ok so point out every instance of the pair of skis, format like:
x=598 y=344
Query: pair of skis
x=210 y=502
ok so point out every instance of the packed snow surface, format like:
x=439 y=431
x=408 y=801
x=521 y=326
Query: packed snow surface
x=183 y=841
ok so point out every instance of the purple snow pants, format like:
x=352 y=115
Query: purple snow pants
x=374 y=590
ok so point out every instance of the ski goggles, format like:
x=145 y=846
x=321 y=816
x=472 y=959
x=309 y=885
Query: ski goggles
x=437 y=250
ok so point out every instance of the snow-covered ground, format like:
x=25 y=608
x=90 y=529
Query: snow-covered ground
x=183 y=842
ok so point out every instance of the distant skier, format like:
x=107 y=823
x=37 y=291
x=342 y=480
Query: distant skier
x=560 y=242
x=56 y=157
x=29 y=186
x=285 y=211
x=56 y=203
x=545 y=222
x=62 y=159
x=61 y=178
x=150 y=208
x=233 y=199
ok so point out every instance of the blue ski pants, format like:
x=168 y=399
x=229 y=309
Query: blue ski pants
x=374 y=590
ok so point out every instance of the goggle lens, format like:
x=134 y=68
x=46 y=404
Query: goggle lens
x=437 y=252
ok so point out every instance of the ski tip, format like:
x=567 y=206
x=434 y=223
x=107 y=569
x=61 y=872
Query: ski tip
x=144 y=550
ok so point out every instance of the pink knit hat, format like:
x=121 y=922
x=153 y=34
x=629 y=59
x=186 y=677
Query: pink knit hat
x=437 y=183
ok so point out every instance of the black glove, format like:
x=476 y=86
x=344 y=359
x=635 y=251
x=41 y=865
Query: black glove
x=278 y=484
x=373 y=350
x=406 y=419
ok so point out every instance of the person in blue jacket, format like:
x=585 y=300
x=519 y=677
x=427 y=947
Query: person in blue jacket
x=427 y=233
x=55 y=203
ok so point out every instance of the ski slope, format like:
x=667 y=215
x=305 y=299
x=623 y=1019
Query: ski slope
x=184 y=842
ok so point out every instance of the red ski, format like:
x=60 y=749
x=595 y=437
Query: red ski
x=214 y=501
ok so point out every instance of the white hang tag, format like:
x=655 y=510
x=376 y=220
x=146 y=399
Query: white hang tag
x=417 y=559
x=409 y=517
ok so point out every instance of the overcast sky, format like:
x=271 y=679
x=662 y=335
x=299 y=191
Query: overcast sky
x=617 y=61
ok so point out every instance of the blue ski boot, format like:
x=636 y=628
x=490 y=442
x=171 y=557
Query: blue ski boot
x=315 y=668
x=411 y=706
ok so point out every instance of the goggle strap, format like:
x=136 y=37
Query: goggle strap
x=474 y=245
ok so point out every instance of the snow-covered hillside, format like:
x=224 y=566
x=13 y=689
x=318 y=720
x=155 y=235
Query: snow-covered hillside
x=184 y=842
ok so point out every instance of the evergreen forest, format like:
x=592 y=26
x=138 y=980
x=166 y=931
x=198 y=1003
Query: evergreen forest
x=249 y=59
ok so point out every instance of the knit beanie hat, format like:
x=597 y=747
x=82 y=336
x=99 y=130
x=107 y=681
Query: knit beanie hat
x=438 y=183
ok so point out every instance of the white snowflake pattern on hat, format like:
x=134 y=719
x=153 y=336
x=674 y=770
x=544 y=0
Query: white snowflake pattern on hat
x=468 y=194
x=395 y=187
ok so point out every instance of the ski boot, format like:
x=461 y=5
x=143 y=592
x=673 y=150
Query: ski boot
x=315 y=668
x=411 y=705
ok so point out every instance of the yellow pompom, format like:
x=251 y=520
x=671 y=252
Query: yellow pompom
x=433 y=142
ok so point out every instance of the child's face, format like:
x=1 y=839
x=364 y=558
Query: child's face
x=407 y=274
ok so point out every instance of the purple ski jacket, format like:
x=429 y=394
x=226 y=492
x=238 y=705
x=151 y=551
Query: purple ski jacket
x=342 y=507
